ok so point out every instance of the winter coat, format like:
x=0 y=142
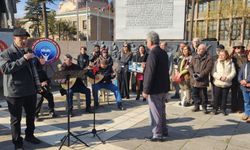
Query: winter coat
x=202 y=65
x=226 y=69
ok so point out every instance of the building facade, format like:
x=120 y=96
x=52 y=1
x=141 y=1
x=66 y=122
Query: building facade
x=93 y=19
x=227 y=21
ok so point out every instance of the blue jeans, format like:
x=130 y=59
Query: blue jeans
x=246 y=95
x=79 y=89
x=108 y=86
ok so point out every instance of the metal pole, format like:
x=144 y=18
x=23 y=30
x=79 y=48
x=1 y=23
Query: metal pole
x=77 y=20
x=45 y=20
x=97 y=24
x=87 y=21
x=192 y=21
x=109 y=22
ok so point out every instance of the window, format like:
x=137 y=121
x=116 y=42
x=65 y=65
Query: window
x=212 y=28
x=84 y=24
x=202 y=7
x=224 y=28
x=213 y=5
x=74 y=23
x=247 y=29
x=248 y=3
x=236 y=28
x=201 y=29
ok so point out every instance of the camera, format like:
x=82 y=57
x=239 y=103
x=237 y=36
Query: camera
x=196 y=76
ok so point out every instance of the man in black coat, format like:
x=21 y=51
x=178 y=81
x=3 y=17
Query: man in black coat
x=156 y=85
x=45 y=93
x=19 y=87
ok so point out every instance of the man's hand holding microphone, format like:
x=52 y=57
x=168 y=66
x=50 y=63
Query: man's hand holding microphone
x=28 y=54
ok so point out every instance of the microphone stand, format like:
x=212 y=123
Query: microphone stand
x=69 y=133
x=94 y=131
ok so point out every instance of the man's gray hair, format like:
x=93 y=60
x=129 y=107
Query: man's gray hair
x=153 y=37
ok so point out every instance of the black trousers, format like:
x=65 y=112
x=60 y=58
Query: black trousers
x=15 y=105
x=199 y=96
x=220 y=97
x=49 y=96
x=237 y=102
x=123 y=79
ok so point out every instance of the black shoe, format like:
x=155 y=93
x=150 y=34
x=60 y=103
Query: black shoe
x=119 y=106
x=137 y=98
x=195 y=109
x=127 y=97
x=144 y=99
x=32 y=139
x=205 y=111
x=71 y=114
x=166 y=100
x=18 y=147
x=156 y=139
x=176 y=96
x=53 y=114
x=224 y=112
x=214 y=112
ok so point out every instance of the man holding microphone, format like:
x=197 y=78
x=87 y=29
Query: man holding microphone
x=20 y=87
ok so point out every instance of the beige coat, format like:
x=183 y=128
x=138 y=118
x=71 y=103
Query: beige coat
x=228 y=70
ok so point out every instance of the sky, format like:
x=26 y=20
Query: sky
x=21 y=5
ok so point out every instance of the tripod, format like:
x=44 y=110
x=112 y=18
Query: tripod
x=67 y=136
x=94 y=131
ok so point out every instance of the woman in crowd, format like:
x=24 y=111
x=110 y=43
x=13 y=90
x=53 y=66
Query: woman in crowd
x=239 y=58
x=223 y=73
x=184 y=76
x=123 y=74
x=244 y=79
x=140 y=57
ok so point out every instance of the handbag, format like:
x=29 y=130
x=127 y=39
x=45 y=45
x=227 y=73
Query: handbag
x=176 y=77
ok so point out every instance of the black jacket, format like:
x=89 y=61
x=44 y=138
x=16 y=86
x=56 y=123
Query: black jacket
x=83 y=60
x=18 y=80
x=139 y=58
x=124 y=61
x=156 y=77
x=107 y=73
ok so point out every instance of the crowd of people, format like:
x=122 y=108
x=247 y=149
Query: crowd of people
x=190 y=69
x=194 y=70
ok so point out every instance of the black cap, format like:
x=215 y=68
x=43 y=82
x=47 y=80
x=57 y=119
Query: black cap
x=68 y=56
x=220 y=46
x=20 y=32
